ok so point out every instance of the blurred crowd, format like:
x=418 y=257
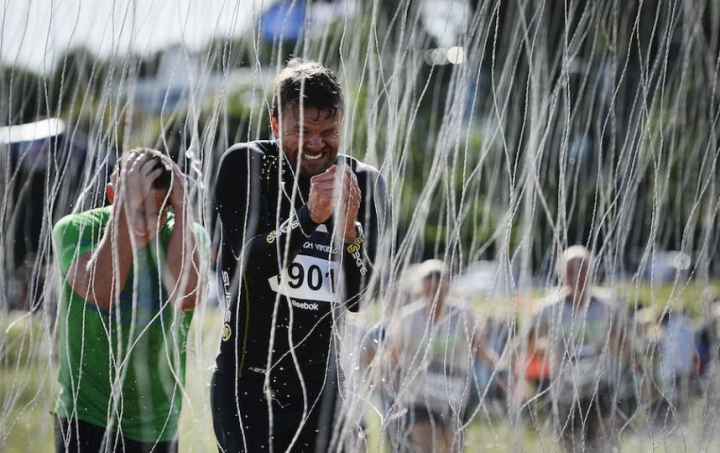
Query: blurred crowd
x=579 y=362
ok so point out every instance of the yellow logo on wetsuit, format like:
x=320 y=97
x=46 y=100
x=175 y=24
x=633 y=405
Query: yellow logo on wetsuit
x=226 y=332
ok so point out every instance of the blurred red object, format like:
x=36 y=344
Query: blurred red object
x=534 y=369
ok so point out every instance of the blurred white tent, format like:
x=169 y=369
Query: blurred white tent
x=484 y=278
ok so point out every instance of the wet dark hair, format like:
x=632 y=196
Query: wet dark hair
x=162 y=182
x=310 y=81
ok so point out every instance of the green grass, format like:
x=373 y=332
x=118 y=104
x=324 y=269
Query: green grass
x=690 y=296
x=28 y=385
x=196 y=431
x=26 y=395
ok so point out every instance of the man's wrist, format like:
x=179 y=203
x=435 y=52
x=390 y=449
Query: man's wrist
x=177 y=201
x=182 y=213
x=305 y=221
x=355 y=234
x=353 y=247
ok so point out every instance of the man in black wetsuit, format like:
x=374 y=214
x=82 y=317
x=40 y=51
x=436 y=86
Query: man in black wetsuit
x=299 y=225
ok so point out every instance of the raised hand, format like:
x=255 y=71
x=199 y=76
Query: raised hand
x=322 y=195
x=177 y=186
x=336 y=191
x=136 y=198
x=349 y=204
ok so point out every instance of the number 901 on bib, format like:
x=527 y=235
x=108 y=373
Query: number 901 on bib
x=307 y=278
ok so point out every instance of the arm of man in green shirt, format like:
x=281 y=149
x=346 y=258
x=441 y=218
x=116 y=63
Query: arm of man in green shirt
x=183 y=277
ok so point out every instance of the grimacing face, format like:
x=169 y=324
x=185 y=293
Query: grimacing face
x=313 y=138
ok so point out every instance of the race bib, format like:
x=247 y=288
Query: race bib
x=307 y=278
x=438 y=392
x=581 y=372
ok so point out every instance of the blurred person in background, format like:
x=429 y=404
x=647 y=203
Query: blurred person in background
x=582 y=336
x=677 y=366
x=433 y=347
x=381 y=372
x=130 y=279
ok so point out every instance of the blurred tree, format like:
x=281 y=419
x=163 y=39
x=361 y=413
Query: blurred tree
x=79 y=78
x=146 y=66
x=224 y=54
x=22 y=96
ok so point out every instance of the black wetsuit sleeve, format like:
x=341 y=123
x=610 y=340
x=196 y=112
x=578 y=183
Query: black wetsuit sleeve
x=359 y=258
x=249 y=232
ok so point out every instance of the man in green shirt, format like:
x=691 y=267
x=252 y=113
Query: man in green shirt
x=130 y=278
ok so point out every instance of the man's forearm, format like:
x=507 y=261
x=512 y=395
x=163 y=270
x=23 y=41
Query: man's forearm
x=99 y=276
x=183 y=263
x=266 y=252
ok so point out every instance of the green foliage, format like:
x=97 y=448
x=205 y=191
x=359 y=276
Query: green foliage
x=79 y=77
x=22 y=96
x=597 y=100
x=147 y=66
x=228 y=53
